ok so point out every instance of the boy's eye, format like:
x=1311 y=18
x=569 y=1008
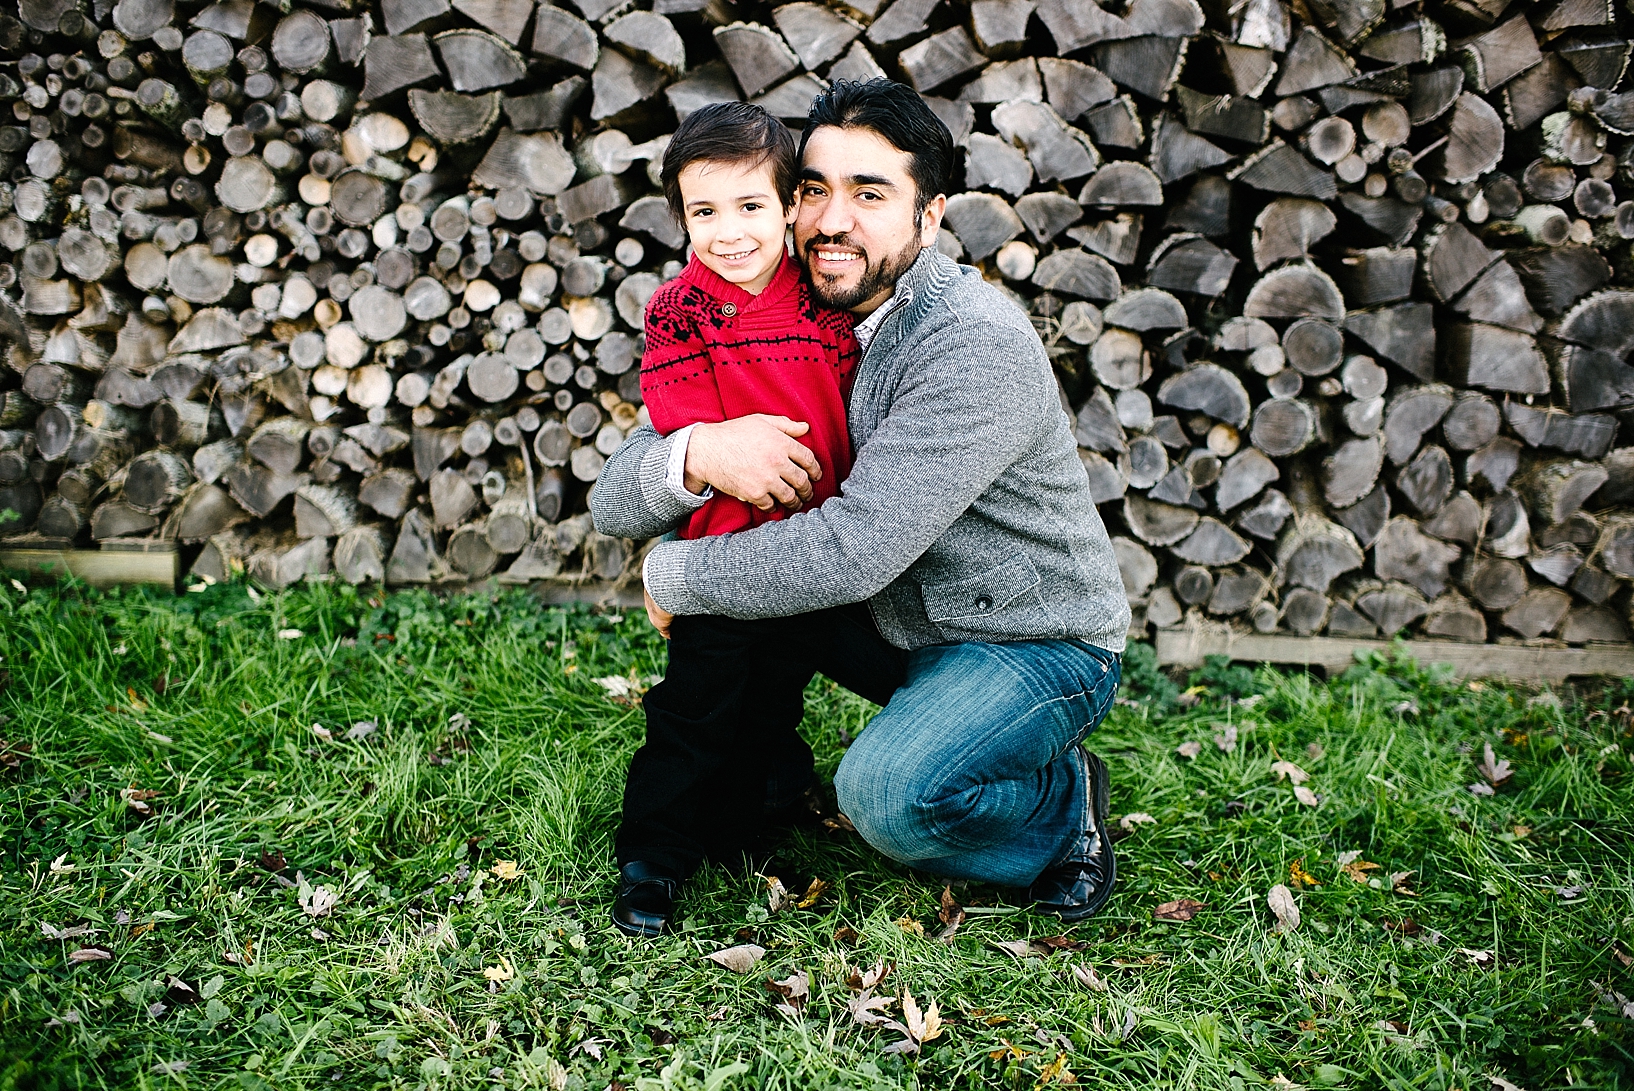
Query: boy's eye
x=751 y=207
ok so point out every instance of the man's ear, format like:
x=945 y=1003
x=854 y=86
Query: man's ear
x=931 y=223
x=791 y=211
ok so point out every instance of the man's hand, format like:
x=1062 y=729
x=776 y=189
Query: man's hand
x=755 y=458
x=656 y=614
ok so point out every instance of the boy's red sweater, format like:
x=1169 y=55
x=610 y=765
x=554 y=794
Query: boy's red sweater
x=715 y=352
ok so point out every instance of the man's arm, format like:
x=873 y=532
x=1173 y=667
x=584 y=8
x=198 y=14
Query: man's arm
x=633 y=497
x=957 y=422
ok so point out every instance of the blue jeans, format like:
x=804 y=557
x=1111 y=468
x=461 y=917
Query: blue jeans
x=968 y=772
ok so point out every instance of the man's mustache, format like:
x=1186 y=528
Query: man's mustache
x=842 y=239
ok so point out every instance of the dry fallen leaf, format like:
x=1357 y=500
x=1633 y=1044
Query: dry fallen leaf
x=289 y=634
x=1398 y=883
x=917 y=1027
x=795 y=991
x=1290 y=770
x=323 y=733
x=1357 y=868
x=1306 y=796
x=778 y=897
x=71 y=932
x=1299 y=876
x=137 y=799
x=1139 y=818
x=1189 y=749
x=315 y=901
x=1481 y=959
x=1088 y=978
x=838 y=823
x=1018 y=948
x=506 y=870
x=1181 y=909
x=740 y=959
x=1314 y=751
x=1495 y=772
x=951 y=914
x=816 y=890
x=1281 y=901
x=1479 y=789
x=863 y=980
x=867 y=1010
x=90 y=954
x=1501 y=1084
x=911 y=926
x=845 y=935
x=1226 y=740
x=361 y=730
x=503 y=972
x=13 y=754
x=1057 y=1072
x=61 y=866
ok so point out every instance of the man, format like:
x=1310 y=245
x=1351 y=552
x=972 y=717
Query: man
x=995 y=614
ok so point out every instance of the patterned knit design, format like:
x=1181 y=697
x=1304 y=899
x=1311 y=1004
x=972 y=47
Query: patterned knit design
x=714 y=352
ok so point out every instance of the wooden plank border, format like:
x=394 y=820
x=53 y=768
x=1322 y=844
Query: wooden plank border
x=98 y=567
x=1188 y=647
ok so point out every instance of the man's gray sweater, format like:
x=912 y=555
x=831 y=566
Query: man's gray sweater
x=967 y=515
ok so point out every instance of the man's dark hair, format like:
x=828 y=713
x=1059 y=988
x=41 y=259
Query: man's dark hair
x=896 y=112
x=729 y=132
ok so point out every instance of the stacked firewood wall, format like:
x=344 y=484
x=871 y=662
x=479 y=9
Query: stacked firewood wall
x=1339 y=292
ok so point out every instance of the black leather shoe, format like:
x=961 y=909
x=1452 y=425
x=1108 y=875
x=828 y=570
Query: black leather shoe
x=1079 y=884
x=646 y=898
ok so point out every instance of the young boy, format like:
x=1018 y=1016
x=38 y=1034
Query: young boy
x=736 y=333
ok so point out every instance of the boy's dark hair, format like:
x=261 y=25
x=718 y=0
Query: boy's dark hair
x=896 y=112
x=729 y=132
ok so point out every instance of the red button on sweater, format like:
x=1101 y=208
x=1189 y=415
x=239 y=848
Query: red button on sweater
x=714 y=352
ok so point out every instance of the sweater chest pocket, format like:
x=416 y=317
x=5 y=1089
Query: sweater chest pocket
x=982 y=595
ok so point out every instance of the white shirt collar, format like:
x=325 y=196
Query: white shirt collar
x=868 y=327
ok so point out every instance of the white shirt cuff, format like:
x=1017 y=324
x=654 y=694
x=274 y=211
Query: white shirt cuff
x=675 y=473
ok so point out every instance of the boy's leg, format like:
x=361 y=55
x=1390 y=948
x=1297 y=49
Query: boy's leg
x=970 y=771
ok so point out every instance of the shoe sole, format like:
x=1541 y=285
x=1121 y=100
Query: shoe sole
x=1100 y=789
x=638 y=933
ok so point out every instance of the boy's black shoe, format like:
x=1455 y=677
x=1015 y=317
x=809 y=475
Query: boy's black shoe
x=1079 y=884
x=646 y=898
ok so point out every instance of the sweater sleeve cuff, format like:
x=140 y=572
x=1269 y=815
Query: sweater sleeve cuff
x=653 y=476
x=664 y=573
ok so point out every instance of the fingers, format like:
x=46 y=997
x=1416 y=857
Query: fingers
x=787 y=426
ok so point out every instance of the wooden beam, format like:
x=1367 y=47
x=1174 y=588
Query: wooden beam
x=98 y=567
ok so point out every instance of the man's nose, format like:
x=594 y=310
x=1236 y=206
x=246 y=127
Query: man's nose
x=836 y=218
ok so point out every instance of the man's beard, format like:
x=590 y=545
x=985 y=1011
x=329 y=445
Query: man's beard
x=876 y=279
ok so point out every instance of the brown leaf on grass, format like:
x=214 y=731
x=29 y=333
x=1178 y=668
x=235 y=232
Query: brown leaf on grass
x=778 y=897
x=951 y=914
x=1356 y=867
x=1299 y=876
x=911 y=927
x=1181 y=909
x=816 y=890
x=1226 y=740
x=1281 y=902
x=1008 y=1051
x=868 y=1010
x=1189 y=750
x=845 y=935
x=273 y=862
x=862 y=980
x=1407 y=926
x=506 y=871
x=1398 y=884
x=1314 y=751
x=1622 y=956
x=323 y=733
x=1290 y=770
x=361 y=730
x=1498 y=1083
x=1020 y=948
x=795 y=990
x=838 y=823
x=1306 y=796
x=315 y=901
x=917 y=1027
x=1495 y=771
x=136 y=799
x=1088 y=978
x=13 y=754
x=1059 y=943
x=1139 y=818
x=1056 y=1072
x=178 y=991
x=90 y=953
x=740 y=959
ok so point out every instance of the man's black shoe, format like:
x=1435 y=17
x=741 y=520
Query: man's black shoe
x=1078 y=885
x=646 y=898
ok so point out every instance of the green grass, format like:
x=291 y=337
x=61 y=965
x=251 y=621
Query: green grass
x=199 y=700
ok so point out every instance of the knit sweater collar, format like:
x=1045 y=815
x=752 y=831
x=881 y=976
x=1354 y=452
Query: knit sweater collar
x=926 y=279
x=784 y=281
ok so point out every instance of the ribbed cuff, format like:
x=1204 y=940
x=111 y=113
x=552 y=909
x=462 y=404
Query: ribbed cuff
x=653 y=477
x=665 y=573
